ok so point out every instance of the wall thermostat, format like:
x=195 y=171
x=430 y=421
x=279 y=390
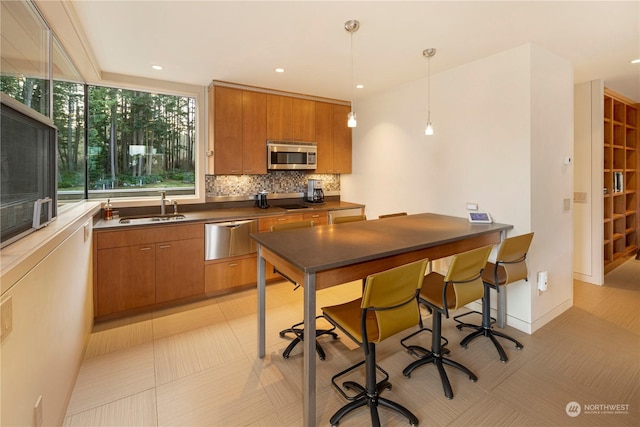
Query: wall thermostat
x=480 y=217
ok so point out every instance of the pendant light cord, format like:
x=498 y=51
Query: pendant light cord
x=351 y=47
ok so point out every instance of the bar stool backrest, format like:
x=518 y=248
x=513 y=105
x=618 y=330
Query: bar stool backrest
x=291 y=225
x=465 y=275
x=350 y=218
x=511 y=263
x=390 y=296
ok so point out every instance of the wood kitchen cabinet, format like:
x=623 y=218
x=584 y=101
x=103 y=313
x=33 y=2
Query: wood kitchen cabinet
x=226 y=275
x=239 y=131
x=142 y=267
x=179 y=269
x=290 y=119
x=126 y=279
x=264 y=224
x=318 y=217
x=333 y=138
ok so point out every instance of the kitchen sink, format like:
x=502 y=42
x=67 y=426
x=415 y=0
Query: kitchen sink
x=150 y=218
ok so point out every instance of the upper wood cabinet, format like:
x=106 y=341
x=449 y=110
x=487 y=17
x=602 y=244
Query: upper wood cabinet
x=241 y=121
x=333 y=138
x=290 y=119
x=239 y=131
x=254 y=132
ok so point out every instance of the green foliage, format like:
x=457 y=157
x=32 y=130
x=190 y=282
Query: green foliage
x=133 y=138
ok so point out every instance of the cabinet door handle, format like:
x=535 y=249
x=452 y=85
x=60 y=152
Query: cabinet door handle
x=234 y=264
x=282 y=219
x=165 y=246
x=315 y=216
x=145 y=249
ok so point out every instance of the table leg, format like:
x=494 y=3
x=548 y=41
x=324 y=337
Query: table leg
x=309 y=374
x=501 y=317
x=261 y=303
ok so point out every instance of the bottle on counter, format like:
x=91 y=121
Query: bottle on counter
x=108 y=210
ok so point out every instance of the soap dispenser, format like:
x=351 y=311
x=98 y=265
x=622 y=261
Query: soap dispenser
x=108 y=210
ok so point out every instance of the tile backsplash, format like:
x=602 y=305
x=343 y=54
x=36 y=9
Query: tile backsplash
x=274 y=182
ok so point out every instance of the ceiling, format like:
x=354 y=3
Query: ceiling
x=244 y=41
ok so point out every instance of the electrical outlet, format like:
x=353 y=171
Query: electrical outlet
x=566 y=205
x=472 y=206
x=6 y=317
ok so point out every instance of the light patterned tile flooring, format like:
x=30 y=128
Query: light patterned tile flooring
x=196 y=365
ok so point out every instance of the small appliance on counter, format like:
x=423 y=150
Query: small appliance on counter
x=314 y=191
x=261 y=200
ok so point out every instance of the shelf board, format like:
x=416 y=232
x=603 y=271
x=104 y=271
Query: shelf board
x=631 y=249
x=617 y=216
x=616 y=236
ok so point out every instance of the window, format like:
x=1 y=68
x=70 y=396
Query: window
x=25 y=55
x=68 y=116
x=119 y=143
x=140 y=143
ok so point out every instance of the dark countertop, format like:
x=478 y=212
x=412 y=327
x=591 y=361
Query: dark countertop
x=331 y=246
x=226 y=214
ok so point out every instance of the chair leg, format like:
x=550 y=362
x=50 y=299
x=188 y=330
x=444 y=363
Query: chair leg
x=435 y=356
x=299 y=337
x=486 y=329
x=370 y=394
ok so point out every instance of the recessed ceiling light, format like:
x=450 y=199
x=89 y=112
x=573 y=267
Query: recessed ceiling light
x=157 y=67
x=279 y=70
x=360 y=86
x=636 y=61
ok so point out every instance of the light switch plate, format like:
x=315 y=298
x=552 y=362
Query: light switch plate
x=472 y=206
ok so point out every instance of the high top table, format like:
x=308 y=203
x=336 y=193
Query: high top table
x=329 y=255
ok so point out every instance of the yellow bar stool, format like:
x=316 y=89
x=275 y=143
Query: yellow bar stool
x=350 y=218
x=461 y=285
x=387 y=307
x=510 y=266
x=297 y=330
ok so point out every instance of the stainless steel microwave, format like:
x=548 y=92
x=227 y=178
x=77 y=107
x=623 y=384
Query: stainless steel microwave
x=284 y=155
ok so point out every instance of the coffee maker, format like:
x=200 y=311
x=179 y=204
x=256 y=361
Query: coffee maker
x=314 y=191
x=261 y=200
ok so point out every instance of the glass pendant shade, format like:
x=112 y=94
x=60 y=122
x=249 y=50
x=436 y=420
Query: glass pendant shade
x=429 y=129
x=351 y=120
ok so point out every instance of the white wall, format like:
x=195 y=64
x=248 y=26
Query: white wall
x=502 y=127
x=52 y=319
x=589 y=158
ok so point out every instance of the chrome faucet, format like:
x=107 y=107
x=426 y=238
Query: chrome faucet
x=163 y=203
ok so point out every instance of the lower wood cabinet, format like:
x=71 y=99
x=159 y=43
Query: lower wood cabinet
x=179 y=269
x=142 y=267
x=125 y=279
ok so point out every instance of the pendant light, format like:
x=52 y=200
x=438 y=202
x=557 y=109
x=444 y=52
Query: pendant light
x=428 y=53
x=352 y=26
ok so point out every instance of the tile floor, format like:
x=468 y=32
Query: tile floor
x=196 y=365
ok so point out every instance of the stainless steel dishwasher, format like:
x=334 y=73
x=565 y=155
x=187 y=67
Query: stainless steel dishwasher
x=228 y=239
